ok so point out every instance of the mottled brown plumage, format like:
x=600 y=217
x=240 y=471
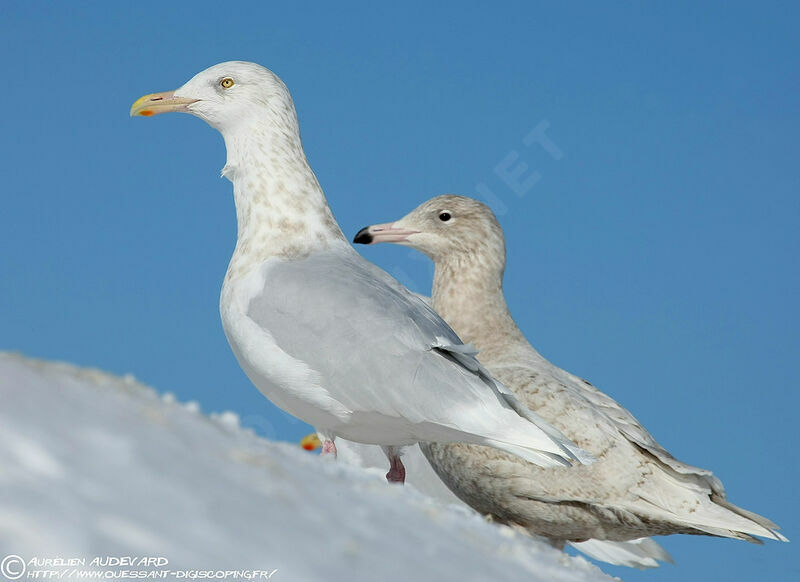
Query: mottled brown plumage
x=635 y=489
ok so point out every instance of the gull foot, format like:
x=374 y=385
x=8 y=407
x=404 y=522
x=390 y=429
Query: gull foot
x=397 y=473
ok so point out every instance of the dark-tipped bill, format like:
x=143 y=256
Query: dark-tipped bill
x=378 y=233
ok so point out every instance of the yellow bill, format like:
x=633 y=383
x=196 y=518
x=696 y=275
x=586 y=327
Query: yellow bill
x=156 y=103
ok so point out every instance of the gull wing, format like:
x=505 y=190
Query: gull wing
x=379 y=349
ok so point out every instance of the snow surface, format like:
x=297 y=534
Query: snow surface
x=96 y=465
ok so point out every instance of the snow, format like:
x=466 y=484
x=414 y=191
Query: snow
x=92 y=465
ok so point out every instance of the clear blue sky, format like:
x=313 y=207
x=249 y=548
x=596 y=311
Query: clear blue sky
x=656 y=254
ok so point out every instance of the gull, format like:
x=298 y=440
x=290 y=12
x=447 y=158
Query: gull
x=325 y=335
x=635 y=488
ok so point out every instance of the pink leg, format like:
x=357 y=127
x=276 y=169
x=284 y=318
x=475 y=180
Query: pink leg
x=328 y=448
x=397 y=473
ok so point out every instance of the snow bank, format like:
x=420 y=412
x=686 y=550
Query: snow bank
x=93 y=465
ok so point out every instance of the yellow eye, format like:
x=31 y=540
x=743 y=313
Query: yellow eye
x=226 y=83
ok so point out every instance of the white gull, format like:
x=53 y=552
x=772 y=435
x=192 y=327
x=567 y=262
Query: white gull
x=321 y=332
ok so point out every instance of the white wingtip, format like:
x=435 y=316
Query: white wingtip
x=465 y=354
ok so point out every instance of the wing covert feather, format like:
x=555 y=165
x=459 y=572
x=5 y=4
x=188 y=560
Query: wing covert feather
x=370 y=338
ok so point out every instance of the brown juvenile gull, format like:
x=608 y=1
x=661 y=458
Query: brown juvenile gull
x=321 y=332
x=635 y=489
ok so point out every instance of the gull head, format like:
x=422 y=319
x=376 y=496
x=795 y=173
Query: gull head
x=443 y=227
x=230 y=97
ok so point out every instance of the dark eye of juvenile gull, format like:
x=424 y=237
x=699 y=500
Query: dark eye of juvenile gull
x=444 y=216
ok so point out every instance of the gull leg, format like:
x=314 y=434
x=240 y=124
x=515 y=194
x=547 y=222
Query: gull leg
x=397 y=472
x=328 y=446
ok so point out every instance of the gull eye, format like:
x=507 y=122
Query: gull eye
x=226 y=83
x=445 y=216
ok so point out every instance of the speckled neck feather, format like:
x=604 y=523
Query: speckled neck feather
x=468 y=294
x=280 y=207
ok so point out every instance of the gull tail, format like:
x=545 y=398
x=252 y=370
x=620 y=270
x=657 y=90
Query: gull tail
x=642 y=553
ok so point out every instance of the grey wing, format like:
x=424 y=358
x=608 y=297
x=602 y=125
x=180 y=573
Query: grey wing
x=371 y=339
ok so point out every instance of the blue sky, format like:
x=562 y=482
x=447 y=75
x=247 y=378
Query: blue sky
x=652 y=245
